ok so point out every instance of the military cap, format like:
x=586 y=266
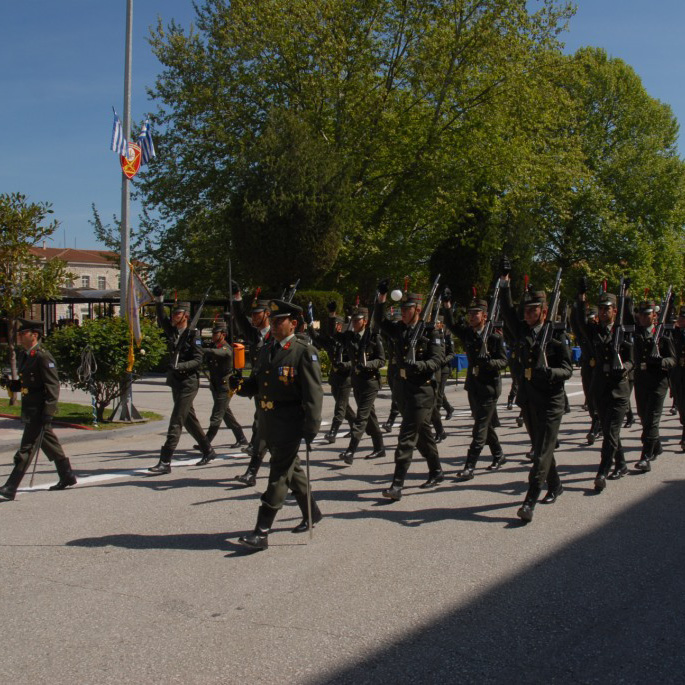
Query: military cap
x=338 y=319
x=283 y=308
x=360 y=313
x=219 y=327
x=412 y=300
x=607 y=300
x=592 y=313
x=30 y=325
x=537 y=298
x=259 y=306
x=647 y=306
x=181 y=307
x=478 y=305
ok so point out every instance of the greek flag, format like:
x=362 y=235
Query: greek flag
x=146 y=144
x=118 y=144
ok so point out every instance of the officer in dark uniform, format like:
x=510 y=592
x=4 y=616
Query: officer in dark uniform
x=366 y=359
x=183 y=376
x=415 y=389
x=677 y=375
x=440 y=399
x=483 y=382
x=286 y=380
x=541 y=391
x=39 y=386
x=340 y=372
x=583 y=324
x=255 y=329
x=219 y=361
x=652 y=366
x=609 y=391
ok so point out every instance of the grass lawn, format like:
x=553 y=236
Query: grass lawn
x=77 y=414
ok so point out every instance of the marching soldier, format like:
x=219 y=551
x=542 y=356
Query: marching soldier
x=483 y=382
x=256 y=331
x=609 y=390
x=653 y=361
x=366 y=359
x=286 y=381
x=415 y=389
x=339 y=374
x=39 y=386
x=392 y=374
x=442 y=377
x=219 y=361
x=183 y=376
x=677 y=376
x=541 y=391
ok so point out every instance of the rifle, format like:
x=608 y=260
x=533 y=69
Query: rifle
x=289 y=291
x=493 y=311
x=550 y=325
x=620 y=329
x=191 y=327
x=410 y=357
x=661 y=323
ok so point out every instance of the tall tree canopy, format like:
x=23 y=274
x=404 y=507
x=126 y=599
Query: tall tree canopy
x=336 y=139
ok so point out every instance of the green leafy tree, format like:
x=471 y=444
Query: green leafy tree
x=25 y=278
x=108 y=339
x=358 y=128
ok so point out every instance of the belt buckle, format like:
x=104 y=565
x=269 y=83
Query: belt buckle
x=528 y=374
x=476 y=369
x=403 y=373
x=643 y=366
x=266 y=405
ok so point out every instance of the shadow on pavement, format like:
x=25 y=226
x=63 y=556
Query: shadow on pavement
x=607 y=608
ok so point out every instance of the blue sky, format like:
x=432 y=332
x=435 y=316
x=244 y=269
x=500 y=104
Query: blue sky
x=63 y=65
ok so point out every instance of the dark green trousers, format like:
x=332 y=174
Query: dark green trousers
x=221 y=410
x=183 y=416
x=285 y=473
x=50 y=444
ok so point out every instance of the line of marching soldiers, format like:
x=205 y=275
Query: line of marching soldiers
x=624 y=349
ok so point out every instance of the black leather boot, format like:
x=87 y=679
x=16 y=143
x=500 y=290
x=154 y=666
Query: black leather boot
x=161 y=467
x=206 y=458
x=498 y=459
x=525 y=512
x=348 y=455
x=303 y=525
x=249 y=478
x=595 y=431
x=630 y=419
x=378 y=449
x=552 y=494
x=394 y=492
x=469 y=467
x=66 y=475
x=210 y=435
x=330 y=436
x=9 y=489
x=434 y=479
x=387 y=426
x=240 y=441
x=449 y=412
x=259 y=539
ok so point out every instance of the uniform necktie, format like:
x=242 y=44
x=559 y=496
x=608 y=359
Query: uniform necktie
x=274 y=349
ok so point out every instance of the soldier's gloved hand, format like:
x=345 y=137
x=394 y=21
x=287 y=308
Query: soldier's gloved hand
x=542 y=374
x=447 y=295
x=582 y=285
x=235 y=380
x=627 y=281
x=158 y=293
x=504 y=266
x=384 y=286
x=14 y=385
x=309 y=439
x=619 y=372
x=235 y=288
x=332 y=306
x=654 y=362
x=360 y=368
x=418 y=367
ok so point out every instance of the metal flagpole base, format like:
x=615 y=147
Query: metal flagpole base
x=124 y=411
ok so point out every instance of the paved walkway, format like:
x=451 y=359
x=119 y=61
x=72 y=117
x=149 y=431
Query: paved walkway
x=128 y=578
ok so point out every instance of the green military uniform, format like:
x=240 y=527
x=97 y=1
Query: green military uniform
x=366 y=358
x=255 y=339
x=39 y=386
x=183 y=377
x=219 y=361
x=415 y=389
x=677 y=375
x=442 y=377
x=609 y=392
x=540 y=395
x=339 y=376
x=483 y=386
x=286 y=383
x=652 y=366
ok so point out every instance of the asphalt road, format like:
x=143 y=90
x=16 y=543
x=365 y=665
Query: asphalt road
x=128 y=578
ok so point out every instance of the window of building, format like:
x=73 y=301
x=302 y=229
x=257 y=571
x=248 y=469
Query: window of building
x=85 y=281
x=102 y=283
